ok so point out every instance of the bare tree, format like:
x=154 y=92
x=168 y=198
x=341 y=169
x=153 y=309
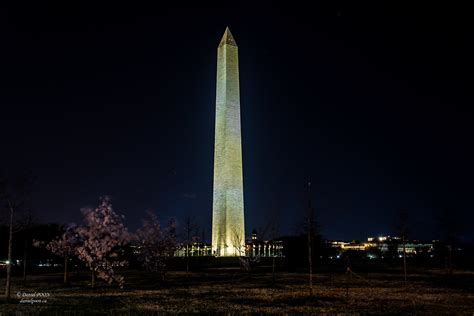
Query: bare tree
x=157 y=243
x=191 y=228
x=65 y=246
x=308 y=228
x=402 y=231
x=15 y=193
x=9 y=257
x=203 y=233
x=449 y=227
x=270 y=231
x=238 y=243
x=274 y=231
x=26 y=223
x=247 y=263
x=310 y=232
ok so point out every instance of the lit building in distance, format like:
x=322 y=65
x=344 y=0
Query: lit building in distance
x=228 y=230
x=384 y=245
x=263 y=248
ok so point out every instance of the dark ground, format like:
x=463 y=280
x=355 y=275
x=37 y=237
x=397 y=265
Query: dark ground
x=428 y=291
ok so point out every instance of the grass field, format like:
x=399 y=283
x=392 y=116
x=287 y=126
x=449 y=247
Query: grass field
x=231 y=290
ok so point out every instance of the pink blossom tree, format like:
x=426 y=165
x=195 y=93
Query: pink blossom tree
x=156 y=244
x=100 y=237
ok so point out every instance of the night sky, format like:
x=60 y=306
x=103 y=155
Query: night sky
x=372 y=104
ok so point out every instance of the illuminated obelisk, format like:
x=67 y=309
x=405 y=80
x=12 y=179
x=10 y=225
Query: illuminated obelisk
x=228 y=230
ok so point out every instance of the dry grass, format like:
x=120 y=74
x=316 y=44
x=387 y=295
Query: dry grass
x=232 y=291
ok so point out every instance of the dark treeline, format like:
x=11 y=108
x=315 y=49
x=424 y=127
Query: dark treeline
x=326 y=257
x=295 y=254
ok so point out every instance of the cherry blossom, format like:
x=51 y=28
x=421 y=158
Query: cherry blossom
x=101 y=237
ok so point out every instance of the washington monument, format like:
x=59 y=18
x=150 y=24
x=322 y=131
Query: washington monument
x=228 y=230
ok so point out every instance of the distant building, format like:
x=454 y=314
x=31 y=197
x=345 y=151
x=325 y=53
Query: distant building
x=254 y=234
x=253 y=248
x=263 y=248
x=194 y=249
x=383 y=244
x=416 y=247
x=382 y=238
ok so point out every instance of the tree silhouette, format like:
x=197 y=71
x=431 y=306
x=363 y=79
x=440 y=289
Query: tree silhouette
x=156 y=244
x=449 y=228
x=65 y=246
x=191 y=229
x=15 y=195
x=402 y=231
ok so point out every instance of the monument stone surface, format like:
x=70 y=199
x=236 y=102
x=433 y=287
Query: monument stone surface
x=228 y=230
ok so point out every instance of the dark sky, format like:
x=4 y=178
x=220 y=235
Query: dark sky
x=372 y=104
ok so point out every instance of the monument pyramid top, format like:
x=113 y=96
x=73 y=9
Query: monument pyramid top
x=227 y=38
